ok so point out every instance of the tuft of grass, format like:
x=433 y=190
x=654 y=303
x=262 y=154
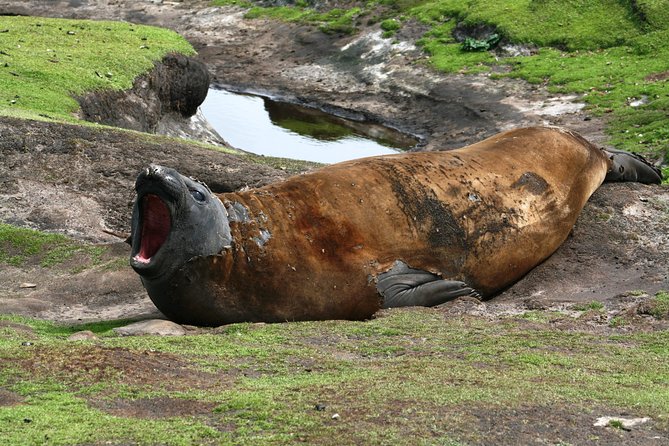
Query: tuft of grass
x=333 y=21
x=590 y=306
x=45 y=63
x=658 y=306
x=20 y=246
x=617 y=424
x=390 y=27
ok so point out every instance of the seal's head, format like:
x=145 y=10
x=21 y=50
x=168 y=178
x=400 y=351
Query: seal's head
x=175 y=218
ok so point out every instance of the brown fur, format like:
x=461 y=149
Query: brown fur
x=485 y=215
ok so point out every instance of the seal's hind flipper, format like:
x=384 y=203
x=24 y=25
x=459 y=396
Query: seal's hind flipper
x=628 y=166
x=402 y=286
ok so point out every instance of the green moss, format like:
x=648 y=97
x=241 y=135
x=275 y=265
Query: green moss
x=590 y=306
x=573 y=24
x=20 y=246
x=659 y=305
x=390 y=27
x=333 y=21
x=58 y=418
x=45 y=62
x=430 y=374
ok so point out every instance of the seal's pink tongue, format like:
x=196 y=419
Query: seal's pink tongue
x=155 y=227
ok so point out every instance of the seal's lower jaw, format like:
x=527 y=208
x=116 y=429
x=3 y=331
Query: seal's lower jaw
x=154 y=228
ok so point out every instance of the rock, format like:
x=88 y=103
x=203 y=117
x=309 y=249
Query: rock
x=625 y=423
x=84 y=335
x=151 y=327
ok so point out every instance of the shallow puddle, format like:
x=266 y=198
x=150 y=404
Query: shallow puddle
x=263 y=126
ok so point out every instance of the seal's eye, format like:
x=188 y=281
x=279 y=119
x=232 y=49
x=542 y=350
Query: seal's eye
x=199 y=196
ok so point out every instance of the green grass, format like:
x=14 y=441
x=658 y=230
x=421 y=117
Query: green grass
x=567 y=24
x=658 y=306
x=333 y=21
x=600 y=50
x=593 y=306
x=605 y=51
x=45 y=62
x=263 y=381
x=22 y=246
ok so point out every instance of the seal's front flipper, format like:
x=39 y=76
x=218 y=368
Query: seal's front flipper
x=402 y=286
x=631 y=167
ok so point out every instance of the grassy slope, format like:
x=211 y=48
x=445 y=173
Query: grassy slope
x=44 y=62
x=604 y=50
x=412 y=377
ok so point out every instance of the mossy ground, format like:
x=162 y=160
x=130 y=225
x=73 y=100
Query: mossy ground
x=410 y=377
x=21 y=247
x=613 y=54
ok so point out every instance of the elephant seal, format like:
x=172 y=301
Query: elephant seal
x=351 y=238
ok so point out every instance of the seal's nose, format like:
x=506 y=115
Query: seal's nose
x=155 y=177
x=154 y=170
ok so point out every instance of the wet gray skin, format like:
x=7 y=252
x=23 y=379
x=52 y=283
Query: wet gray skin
x=175 y=218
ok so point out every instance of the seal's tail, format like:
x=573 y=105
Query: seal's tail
x=626 y=166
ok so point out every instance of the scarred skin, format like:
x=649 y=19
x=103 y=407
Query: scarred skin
x=313 y=247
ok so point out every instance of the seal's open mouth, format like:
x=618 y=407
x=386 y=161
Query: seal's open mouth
x=155 y=227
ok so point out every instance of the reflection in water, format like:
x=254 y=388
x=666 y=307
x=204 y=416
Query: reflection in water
x=263 y=126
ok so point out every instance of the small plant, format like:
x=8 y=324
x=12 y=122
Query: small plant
x=660 y=305
x=390 y=27
x=617 y=424
x=594 y=306
x=617 y=321
x=471 y=44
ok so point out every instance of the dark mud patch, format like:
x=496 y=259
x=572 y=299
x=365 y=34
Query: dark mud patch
x=153 y=408
x=89 y=364
x=8 y=398
x=556 y=424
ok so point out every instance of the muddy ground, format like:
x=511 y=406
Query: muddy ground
x=78 y=180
